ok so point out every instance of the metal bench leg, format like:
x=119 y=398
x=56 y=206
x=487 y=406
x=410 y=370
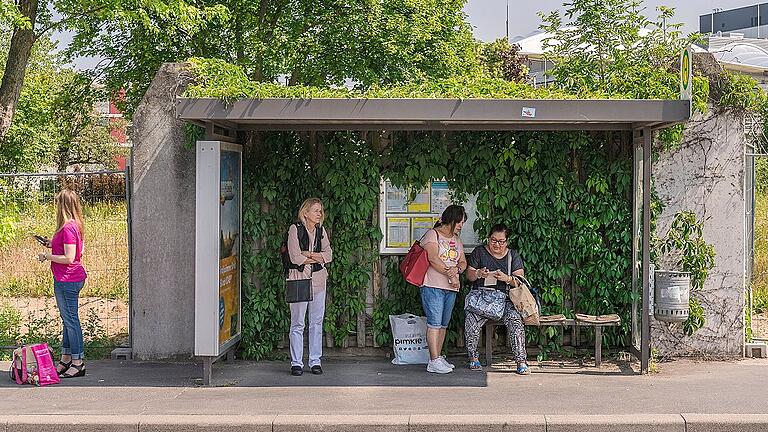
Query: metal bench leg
x=489 y=344
x=598 y=345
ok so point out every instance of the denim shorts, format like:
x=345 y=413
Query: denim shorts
x=438 y=306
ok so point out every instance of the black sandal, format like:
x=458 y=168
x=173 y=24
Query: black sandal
x=80 y=371
x=66 y=367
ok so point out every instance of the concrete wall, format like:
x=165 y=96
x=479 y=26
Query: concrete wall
x=705 y=174
x=163 y=213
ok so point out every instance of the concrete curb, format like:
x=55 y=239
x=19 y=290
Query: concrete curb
x=725 y=422
x=388 y=423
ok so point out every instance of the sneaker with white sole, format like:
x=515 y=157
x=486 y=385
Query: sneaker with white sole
x=437 y=366
x=445 y=362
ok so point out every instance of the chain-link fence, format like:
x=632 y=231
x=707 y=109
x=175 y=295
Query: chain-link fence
x=756 y=153
x=28 y=311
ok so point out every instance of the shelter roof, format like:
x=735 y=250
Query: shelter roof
x=433 y=114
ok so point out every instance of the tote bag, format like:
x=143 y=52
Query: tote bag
x=409 y=339
x=415 y=264
x=524 y=301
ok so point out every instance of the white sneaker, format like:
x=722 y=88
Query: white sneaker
x=445 y=362
x=437 y=366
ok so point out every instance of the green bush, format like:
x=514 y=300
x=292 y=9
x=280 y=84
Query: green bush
x=760 y=301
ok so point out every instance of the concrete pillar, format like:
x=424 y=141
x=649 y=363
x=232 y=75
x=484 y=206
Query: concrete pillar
x=163 y=218
x=705 y=174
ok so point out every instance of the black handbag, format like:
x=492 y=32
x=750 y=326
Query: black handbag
x=299 y=290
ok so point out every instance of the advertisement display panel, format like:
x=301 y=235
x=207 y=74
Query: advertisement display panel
x=218 y=227
x=229 y=246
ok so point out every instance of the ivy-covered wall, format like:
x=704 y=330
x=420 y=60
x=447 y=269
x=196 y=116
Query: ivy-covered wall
x=566 y=197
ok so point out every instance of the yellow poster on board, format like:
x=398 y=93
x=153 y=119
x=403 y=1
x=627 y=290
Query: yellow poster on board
x=420 y=226
x=421 y=202
x=398 y=232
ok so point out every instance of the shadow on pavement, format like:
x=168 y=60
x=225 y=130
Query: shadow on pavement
x=369 y=372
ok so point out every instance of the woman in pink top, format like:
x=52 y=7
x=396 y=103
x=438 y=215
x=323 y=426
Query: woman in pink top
x=308 y=263
x=68 y=279
x=441 y=282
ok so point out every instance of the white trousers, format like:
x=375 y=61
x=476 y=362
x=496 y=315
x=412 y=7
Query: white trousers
x=316 y=313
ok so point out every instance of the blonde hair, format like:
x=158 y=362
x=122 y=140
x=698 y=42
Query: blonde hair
x=306 y=205
x=68 y=208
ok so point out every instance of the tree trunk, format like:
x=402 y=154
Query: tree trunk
x=16 y=66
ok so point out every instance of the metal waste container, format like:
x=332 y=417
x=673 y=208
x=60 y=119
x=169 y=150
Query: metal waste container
x=671 y=291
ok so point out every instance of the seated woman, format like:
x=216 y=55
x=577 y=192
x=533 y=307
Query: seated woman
x=489 y=267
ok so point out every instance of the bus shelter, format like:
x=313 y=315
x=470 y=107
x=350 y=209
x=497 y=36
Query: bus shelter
x=219 y=167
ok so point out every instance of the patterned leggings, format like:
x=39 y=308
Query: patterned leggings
x=474 y=323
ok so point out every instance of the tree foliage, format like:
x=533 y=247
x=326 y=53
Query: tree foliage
x=501 y=60
x=54 y=123
x=11 y=15
x=610 y=47
x=320 y=43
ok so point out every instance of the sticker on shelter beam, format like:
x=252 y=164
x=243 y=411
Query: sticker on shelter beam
x=398 y=232
x=529 y=112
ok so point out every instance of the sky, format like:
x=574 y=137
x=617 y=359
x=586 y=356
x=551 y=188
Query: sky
x=488 y=17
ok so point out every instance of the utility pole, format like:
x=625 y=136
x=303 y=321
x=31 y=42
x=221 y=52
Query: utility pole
x=507 y=21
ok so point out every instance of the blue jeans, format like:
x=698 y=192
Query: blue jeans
x=438 y=306
x=67 y=294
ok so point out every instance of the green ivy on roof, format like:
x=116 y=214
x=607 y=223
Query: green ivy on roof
x=219 y=79
x=216 y=78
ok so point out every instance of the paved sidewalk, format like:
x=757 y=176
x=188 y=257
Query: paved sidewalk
x=399 y=397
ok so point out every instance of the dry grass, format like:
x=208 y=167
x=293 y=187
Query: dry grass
x=760 y=268
x=105 y=256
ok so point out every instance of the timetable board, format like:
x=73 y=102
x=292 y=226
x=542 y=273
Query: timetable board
x=405 y=216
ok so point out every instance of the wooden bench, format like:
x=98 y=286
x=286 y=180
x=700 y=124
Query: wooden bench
x=490 y=328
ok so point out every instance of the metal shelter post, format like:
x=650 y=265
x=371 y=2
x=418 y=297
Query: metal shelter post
x=637 y=200
x=645 y=322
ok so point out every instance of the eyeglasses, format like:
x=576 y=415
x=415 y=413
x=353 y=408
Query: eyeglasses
x=498 y=242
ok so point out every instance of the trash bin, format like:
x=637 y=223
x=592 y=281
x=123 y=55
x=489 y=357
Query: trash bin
x=672 y=291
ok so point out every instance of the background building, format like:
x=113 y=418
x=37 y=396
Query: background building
x=751 y=21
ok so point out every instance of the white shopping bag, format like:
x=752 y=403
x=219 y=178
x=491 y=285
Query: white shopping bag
x=409 y=339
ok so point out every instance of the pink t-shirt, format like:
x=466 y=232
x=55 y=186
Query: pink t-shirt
x=450 y=250
x=68 y=234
